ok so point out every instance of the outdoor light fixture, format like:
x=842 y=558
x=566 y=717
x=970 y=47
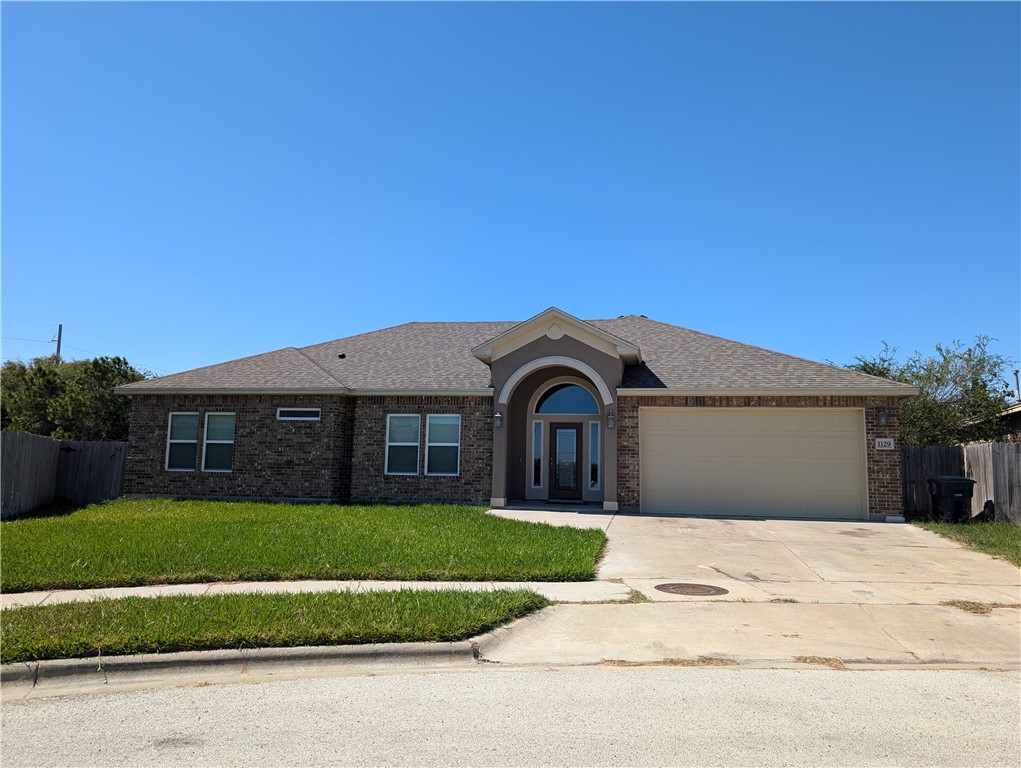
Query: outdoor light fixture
x=882 y=417
x=611 y=420
x=497 y=419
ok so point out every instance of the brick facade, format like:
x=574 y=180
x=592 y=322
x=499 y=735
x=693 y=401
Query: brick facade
x=339 y=458
x=886 y=493
x=883 y=467
x=273 y=459
x=342 y=456
x=370 y=484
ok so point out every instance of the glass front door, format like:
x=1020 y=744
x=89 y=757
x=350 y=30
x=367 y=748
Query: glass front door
x=565 y=455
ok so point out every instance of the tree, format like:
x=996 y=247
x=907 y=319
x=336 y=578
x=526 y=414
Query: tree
x=25 y=392
x=962 y=392
x=73 y=400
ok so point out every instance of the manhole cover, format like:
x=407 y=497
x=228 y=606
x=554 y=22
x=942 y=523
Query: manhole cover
x=703 y=590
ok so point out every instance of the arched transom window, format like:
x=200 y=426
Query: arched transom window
x=566 y=398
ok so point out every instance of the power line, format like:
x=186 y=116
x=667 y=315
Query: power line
x=104 y=338
x=140 y=363
x=30 y=322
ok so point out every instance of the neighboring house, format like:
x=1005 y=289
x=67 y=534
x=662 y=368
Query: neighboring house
x=1011 y=416
x=629 y=414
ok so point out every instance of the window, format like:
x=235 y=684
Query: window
x=537 y=454
x=566 y=398
x=402 y=439
x=182 y=442
x=593 y=450
x=442 y=445
x=298 y=414
x=218 y=449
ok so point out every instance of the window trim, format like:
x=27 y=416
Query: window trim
x=417 y=444
x=206 y=441
x=595 y=450
x=429 y=444
x=170 y=426
x=538 y=454
x=317 y=417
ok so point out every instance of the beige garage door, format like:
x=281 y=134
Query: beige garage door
x=775 y=462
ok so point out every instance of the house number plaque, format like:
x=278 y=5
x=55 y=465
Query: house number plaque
x=884 y=444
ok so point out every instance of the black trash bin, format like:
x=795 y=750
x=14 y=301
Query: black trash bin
x=951 y=498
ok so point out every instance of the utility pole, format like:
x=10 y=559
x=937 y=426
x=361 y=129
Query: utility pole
x=60 y=332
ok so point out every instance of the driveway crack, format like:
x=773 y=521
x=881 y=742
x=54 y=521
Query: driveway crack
x=794 y=554
x=882 y=629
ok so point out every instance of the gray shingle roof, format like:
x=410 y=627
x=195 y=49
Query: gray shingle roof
x=437 y=356
x=679 y=358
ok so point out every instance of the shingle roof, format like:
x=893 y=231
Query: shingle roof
x=437 y=356
x=679 y=358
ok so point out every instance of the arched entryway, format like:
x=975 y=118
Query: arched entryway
x=554 y=436
x=563 y=443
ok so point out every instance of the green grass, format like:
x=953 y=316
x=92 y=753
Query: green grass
x=1001 y=540
x=188 y=623
x=130 y=542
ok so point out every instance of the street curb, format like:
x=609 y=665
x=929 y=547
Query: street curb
x=250 y=662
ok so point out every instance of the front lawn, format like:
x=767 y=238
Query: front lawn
x=191 y=623
x=129 y=542
x=1001 y=540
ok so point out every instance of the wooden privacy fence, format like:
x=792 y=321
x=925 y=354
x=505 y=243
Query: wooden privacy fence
x=36 y=470
x=995 y=468
x=918 y=465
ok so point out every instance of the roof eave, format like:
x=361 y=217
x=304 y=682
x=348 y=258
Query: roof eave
x=130 y=391
x=419 y=392
x=359 y=392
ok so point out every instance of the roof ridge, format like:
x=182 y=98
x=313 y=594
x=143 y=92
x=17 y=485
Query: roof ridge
x=329 y=375
x=217 y=365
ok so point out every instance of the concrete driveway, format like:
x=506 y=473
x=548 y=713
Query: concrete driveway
x=836 y=592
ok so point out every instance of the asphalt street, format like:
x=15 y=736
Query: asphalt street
x=572 y=716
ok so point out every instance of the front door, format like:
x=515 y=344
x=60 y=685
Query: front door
x=564 y=461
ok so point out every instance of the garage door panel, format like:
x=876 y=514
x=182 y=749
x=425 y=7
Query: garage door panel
x=736 y=447
x=757 y=462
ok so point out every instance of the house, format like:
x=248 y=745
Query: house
x=630 y=414
x=1011 y=416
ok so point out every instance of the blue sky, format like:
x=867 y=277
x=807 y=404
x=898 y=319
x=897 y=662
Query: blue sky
x=188 y=183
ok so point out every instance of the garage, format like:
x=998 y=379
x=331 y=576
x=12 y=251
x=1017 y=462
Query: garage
x=756 y=462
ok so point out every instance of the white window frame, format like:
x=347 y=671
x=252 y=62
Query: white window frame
x=206 y=441
x=417 y=444
x=170 y=425
x=281 y=417
x=594 y=456
x=428 y=444
x=540 y=455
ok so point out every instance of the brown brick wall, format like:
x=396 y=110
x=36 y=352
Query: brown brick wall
x=272 y=459
x=884 y=483
x=370 y=484
x=886 y=493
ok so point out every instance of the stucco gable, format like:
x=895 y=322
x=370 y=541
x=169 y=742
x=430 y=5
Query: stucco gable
x=556 y=324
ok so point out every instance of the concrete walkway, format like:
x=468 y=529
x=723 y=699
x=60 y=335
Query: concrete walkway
x=558 y=592
x=840 y=594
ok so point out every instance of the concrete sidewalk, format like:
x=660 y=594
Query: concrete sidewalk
x=558 y=592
